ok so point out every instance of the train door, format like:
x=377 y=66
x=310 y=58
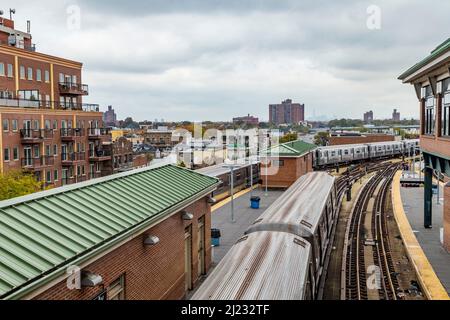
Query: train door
x=188 y=258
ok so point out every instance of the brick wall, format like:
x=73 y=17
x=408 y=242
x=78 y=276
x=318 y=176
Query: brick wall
x=289 y=172
x=151 y=272
x=333 y=141
x=447 y=217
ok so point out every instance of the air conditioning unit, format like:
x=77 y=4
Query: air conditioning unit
x=12 y=40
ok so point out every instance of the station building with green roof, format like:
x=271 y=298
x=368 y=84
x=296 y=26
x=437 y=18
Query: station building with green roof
x=143 y=234
x=283 y=164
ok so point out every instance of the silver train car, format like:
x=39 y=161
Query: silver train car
x=344 y=154
x=305 y=214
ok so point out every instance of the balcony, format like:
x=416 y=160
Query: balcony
x=126 y=166
x=95 y=175
x=37 y=163
x=96 y=155
x=11 y=102
x=67 y=180
x=30 y=136
x=98 y=133
x=69 y=134
x=70 y=88
x=69 y=159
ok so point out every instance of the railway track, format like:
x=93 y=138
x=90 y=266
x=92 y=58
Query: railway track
x=367 y=269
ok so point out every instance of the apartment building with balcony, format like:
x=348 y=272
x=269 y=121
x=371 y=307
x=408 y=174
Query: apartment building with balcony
x=431 y=80
x=45 y=126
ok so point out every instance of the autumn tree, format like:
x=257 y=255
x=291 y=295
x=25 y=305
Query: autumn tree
x=18 y=183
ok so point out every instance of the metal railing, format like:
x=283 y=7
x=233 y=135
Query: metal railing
x=97 y=153
x=37 y=104
x=36 y=134
x=74 y=156
x=95 y=132
x=72 y=87
x=30 y=47
x=72 y=132
x=37 y=162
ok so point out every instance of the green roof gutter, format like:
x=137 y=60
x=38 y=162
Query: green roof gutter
x=107 y=244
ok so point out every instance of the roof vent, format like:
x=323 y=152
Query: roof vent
x=89 y=279
x=151 y=240
x=187 y=215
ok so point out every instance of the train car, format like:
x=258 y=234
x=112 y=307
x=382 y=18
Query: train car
x=385 y=149
x=308 y=209
x=340 y=154
x=262 y=266
x=241 y=178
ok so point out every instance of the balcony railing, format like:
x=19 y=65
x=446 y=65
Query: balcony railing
x=73 y=157
x=28 y=47
x=73 y=88
x=98 y=132
x=39 y=162
x=65 y=181
x=99 y=153
x=37 y=104
x=71 y=133
x=35 y=134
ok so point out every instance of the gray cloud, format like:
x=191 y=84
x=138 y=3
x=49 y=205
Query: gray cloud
x=213 y=60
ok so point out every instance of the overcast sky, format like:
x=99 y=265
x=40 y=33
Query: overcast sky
x=216 y=59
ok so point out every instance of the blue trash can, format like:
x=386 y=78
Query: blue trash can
x=215 y=237
x=254 y=201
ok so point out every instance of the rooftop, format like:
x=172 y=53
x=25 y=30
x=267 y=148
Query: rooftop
x=43 y=233
x=293 y=148
x=438 y=51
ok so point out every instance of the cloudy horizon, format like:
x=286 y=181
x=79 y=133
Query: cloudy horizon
x=214 y=60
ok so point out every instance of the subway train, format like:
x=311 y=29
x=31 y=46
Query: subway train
x=345 y=154
x=241 y=177
x=284 y=253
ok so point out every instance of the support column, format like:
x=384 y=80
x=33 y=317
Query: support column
x=428 y=195
x=447 y=217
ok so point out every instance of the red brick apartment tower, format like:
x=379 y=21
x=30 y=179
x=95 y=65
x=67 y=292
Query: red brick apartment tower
x=46 y=127
x=431 y=80
x=286 y=113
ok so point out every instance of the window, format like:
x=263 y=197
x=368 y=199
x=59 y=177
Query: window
x=445 y=113
x=6 y=155
x=30 y=73
x=47 y=124
x=38 y=75
x=48 y=150
x=2 y=69
x=36 y=124
x=278 y=163
x=429 y=119
x=116 y=290
x=61 y=78
x=55 y=149
x=10 y=70
x=47 y=76
x=48 y=175
x=22 y=72
x=16 y=153
x=5 y=125
x=55 y=175
x=55 y=124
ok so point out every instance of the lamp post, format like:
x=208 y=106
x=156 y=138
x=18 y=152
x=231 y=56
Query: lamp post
x=231 y=167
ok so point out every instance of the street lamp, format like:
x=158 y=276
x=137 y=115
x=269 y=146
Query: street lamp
x=232 y=167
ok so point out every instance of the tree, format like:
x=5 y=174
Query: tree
x=288 y=137
x=321 y=138
x=18 y=183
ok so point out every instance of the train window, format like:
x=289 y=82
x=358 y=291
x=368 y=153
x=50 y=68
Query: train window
x=345 y=152
x=333 y=153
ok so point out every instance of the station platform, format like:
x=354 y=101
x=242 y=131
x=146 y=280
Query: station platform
x=431 y=261
x=244 y=217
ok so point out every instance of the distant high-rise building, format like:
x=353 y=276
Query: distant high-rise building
x=368 y=117
x=110 y=117
x=395 y=115
x=247 y=120
x=286 y=112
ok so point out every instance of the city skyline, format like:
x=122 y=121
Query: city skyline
x=217 y=61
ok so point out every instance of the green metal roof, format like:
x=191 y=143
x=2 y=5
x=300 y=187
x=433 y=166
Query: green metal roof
x=292 y=148
x=440 y=49
x=41 y=234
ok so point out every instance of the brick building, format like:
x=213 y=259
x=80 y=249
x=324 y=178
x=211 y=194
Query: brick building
x=353 y=138
x=248 y=119
x=286 y=113
x=286 y=163
x=46 y=127
x=368 y=117
x=395 y=116
x=141 y=235
x=160 y=138
x=431 y=80
x=110 y=117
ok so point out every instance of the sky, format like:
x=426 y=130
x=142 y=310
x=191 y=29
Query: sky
x=202 y=60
